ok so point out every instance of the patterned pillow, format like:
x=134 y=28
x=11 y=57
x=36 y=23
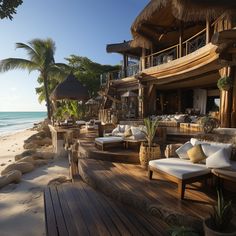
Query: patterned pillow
x=196 y=154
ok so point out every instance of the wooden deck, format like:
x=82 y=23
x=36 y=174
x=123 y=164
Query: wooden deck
x=77 y=209
x=129 y=184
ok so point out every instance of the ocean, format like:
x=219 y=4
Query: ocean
x=11 y=122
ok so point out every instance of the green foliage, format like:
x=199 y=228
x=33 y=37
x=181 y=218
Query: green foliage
x=224 y=83
x=182 y=231
x=222 y=214
x=8 y=8
x=40 y=58
x=209 y=123
x=88 y=72
x=151 y=126
x=69 y=109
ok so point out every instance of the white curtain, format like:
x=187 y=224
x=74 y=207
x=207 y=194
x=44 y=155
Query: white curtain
x=200 y=100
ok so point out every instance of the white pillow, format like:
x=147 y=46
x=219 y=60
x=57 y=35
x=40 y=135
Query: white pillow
x=195 y=141
x=121 y=128
x=209 y=149
x=180 y=118
x=219 y=159
x=127 y=127
x=136 y=132
x=115 y=131
x=182 y=151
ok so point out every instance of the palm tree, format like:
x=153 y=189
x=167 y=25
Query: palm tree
x=40 y=58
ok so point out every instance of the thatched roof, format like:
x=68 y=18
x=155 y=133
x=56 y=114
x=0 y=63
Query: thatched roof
x=162 y=17
x=71 y=89
x=125 y=48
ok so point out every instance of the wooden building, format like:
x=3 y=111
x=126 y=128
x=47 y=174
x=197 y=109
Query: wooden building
x=179 y=50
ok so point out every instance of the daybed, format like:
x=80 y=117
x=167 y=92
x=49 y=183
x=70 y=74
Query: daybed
x=121 y=134
x=195 y=162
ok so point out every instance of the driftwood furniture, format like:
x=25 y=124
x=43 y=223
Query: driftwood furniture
x=77 y=209
x=179 y=171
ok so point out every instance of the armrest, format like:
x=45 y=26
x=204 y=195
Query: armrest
x=171 y=148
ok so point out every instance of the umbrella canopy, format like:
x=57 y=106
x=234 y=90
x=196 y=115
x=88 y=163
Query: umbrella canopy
x=129 y=94
x=91 y=101
x=71 y=89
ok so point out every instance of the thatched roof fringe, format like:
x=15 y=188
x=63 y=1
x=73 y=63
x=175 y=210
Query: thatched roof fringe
x=147 y=12
x=198 y=10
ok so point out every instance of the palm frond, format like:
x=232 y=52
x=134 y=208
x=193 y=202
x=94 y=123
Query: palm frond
x=17 y=63
x=32 y=53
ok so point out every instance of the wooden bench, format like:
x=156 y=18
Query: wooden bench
x=77 y=209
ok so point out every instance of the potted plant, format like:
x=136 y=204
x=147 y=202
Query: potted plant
x=149 y=150
x=219 y=222
x=224 y=83
x=209 y=123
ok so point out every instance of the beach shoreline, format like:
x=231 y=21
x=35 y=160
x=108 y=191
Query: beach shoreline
x=21 y=205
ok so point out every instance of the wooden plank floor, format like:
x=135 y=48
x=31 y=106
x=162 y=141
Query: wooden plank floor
x=128 y=183
x=77 y=209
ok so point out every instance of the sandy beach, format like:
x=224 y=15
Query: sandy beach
x=21 y=205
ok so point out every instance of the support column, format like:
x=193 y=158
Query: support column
x=125 y=64
x=225 y=100
x=180 y=51
x=141 y=101
x=143 y=59
x=233 y=112
x=207 y=30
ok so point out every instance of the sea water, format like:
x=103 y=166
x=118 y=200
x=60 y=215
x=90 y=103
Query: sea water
x=11 y=122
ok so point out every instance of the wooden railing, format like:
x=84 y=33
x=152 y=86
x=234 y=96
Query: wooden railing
x=119 y=74
x=169 y=54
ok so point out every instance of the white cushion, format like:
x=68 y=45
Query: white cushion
x=127 y=127
x=182 y=169
x=209 y=149
x=219 y=159
x=195 y=141
x=137 y=133
x=121 y=128
x=182 y=151
x=109 y=140
x=180 y=118
x=115 y=131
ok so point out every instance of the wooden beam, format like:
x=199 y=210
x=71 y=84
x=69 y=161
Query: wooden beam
x=207 y=30
x=180 y=52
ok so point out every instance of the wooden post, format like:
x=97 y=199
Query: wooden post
x=179 y=100
x=143 y=59
x=225 y=101
x=207 y=30
x=233 y=112
x=125 y=64
x=141 y=101
x=180 y=52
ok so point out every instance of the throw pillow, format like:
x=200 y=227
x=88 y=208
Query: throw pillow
x=115 y=131
x=219 y=159
x=121 y=128
x=196 y=154
x=182 y=151
x=137 y=133
x=128 y=133
x=209 y=149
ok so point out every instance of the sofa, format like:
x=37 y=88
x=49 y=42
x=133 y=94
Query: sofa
x=120 y=135
x=192 y=162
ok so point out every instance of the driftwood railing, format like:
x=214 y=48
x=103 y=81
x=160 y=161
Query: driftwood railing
x=169 y=54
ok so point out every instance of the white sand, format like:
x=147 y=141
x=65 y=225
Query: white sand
x=21 y=205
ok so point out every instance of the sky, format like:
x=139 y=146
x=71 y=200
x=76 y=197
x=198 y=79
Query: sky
x=80 y=27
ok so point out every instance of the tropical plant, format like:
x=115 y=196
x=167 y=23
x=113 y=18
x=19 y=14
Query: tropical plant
x=151 y=127
x=224 y=83
x=41 y=59
x=88 y=72
x=222 y=214
x=182 y=231
x=8 y=8
x=208 y=123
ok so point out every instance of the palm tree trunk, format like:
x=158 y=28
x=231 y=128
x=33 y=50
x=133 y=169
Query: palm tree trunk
x=45 y=80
